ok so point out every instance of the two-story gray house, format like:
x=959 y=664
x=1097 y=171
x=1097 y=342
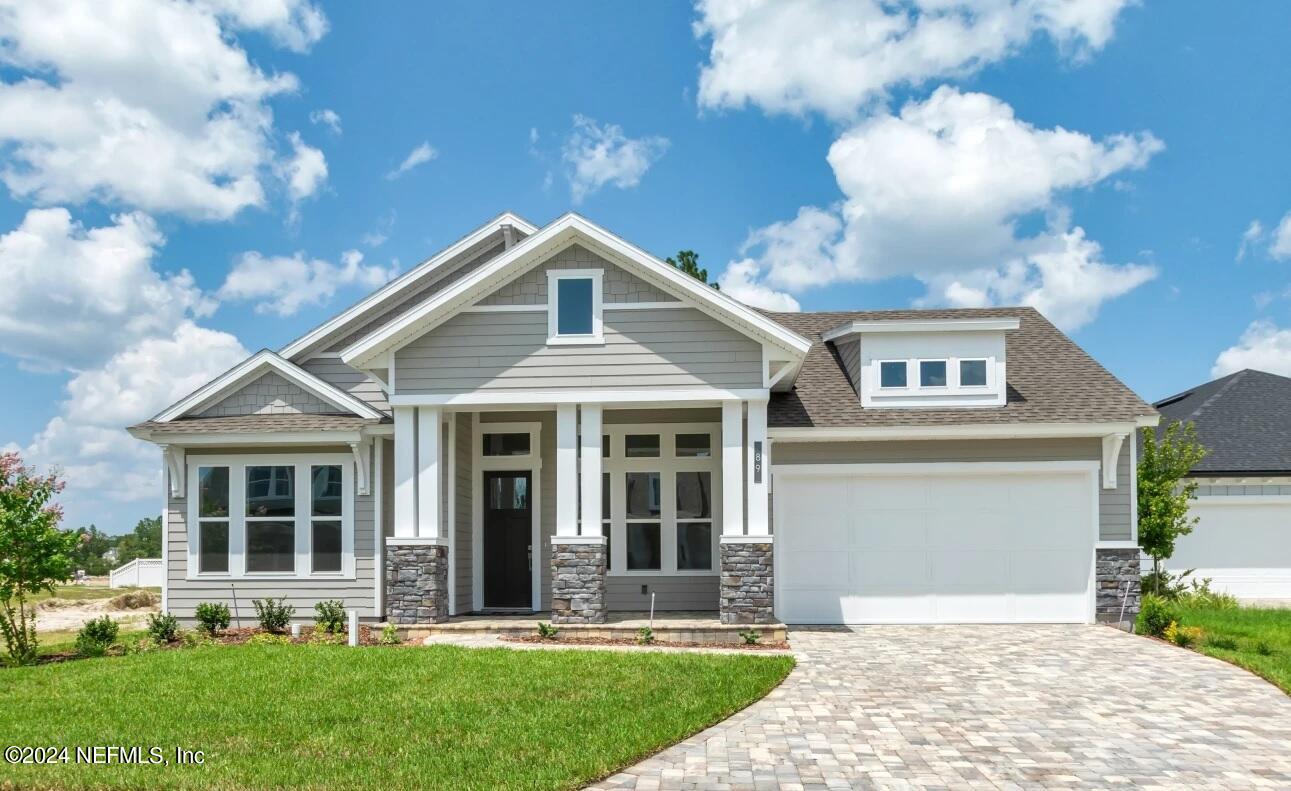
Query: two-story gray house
x=553 y=419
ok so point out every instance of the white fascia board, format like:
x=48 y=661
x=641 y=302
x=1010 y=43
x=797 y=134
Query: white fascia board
x=906 y=469
x=253 y=367
x=707 y=395
x=408 y=279
x=922 y=325
x=252 y=438
x=982 y=431
x=532 y=251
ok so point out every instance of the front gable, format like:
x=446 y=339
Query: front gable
x=269 y=395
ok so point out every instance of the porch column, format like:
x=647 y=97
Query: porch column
x=747 y=572
x=578 y=560
x=416 y=558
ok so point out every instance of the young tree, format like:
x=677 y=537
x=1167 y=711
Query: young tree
x=1163 y=492
x=144 y=542
x=34 y=553
x=688 y=262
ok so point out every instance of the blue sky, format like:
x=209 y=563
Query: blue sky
x=1102 y=161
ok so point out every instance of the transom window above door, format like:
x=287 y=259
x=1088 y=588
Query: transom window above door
x=574 y=307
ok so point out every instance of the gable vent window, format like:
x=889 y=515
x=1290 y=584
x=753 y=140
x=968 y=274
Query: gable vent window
x=574 y=306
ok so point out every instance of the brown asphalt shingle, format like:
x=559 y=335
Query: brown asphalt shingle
x=1050 y=378
x=249 y=424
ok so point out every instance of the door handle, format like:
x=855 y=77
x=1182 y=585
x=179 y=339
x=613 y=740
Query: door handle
x=530 y=551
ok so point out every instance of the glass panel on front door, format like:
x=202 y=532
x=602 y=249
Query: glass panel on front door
x=508 y=542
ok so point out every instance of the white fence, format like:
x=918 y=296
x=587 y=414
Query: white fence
x=138 y=573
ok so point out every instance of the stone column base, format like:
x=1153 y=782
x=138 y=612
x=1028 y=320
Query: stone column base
x=578 y=581
x=747 y=583
x=416 y=583
x=1116 y=580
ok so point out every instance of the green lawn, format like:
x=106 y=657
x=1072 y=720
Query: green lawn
x=337 y=717
x=1248 y=626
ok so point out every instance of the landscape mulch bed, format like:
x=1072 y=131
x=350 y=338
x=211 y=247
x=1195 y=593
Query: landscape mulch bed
x=367 y=637
x=628 y=641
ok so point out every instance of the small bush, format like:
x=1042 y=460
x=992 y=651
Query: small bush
x=1155 y=614
x=142 y=645
x=750 y=636
x=196 y=638
x=265 y=638
x=1164 y=584
x=163 y=627
x=546 y=631
x=1182 y=636
x=645 y=635
x=212 y=617
x=390 y=635
x=274 y=615
x=329 y=616
x=1263 y=648
x=1222 y=643
x=96 y=636
x=321 y=637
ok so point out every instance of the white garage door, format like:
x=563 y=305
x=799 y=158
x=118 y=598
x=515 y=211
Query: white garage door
x=1243 y=543
x=933 y=543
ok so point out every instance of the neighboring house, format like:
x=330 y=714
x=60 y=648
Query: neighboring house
x=552 y=419
x=1242 y=541
x=111 y=555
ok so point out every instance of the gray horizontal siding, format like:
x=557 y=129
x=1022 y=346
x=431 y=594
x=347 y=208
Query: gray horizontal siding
x=669 y=348
x=1114 y=517
x=183 y=595
x=354 y=382
x=671 y=593
x=1244 y=490
x=619 y=285
x=464 y=518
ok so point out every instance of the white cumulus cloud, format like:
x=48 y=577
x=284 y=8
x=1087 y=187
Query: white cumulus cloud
x=938 y=191
x=1263 y=346
x=418 y=156
x=153 y=105
x=599 y=154
x=1280 y=247
x=839 y=56
x=283 y=284
x=328 y=118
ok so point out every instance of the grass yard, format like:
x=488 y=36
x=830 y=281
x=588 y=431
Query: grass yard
x=85 y=593
x=337 y=717
x=1247 y=627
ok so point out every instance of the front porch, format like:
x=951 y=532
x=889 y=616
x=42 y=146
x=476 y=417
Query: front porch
x=674 y=626
x=588 y=512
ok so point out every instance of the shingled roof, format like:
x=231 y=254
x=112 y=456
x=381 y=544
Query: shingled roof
x=255 y=424
x=1243 y=419
x=1050 y=379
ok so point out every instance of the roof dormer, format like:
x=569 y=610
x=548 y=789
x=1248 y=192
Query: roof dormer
x=926 y=362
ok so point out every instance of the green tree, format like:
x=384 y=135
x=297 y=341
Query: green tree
x=1163 y=491
x=688 y=262
x=144 y=542
x=34 y=554
x=91 y=543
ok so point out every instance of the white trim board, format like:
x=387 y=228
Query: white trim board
x=410 y=278
x=531 y=463
x=562 y=233
x=637 y=398
x=970 y=431
x=252 y=368
x=1002 y=324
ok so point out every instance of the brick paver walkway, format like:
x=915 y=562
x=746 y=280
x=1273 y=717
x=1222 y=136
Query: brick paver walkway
x=990 y=707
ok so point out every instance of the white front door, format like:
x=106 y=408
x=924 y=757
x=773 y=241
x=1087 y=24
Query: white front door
x=935 y=543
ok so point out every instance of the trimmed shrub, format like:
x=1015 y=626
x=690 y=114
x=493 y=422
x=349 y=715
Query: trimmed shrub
x=1155 y=614
x=1182 y=636
x=96 y=636
x=212 y=617
x=645 y=635
x=546 y=631
x=390 y=635
x=329 y=616
x=321 y=637
x=163 y=627
x=750 y=636
x=274 y=615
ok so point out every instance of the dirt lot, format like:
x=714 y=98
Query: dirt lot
x=72 y=605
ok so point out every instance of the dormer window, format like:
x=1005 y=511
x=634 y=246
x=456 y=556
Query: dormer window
x=574 y=307
x=972 y=373
x=932 y=373
x=892 y=374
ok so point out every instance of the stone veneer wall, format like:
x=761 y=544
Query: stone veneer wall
x=1112 y=570
x=747 y=583
x=577 y=582
x=416 y=583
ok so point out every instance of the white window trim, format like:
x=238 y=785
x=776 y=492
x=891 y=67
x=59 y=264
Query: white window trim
x=597 y=336
x=878 y=367
x=667 y=464
x=959 y=374
x=877 y=395
x=919 y=363
x=303 y=519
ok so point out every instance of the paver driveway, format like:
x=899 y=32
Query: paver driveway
x=991 y=707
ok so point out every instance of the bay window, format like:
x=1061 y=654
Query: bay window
x=271 y=515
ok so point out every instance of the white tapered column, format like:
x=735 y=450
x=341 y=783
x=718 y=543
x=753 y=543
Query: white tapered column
x=732 y=468
x=590 y=457
x=566 y=470
x=756 y=469
x=405 y=472
x=429 y=524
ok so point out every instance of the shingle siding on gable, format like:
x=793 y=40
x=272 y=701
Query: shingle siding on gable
x=269 y=395
x=619 y=284
x=667 y=348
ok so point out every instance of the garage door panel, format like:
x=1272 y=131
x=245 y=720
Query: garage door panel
x=1243 y=547
x=936 y=547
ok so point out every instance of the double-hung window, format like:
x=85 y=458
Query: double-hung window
x=272 y=516
x=574 y=306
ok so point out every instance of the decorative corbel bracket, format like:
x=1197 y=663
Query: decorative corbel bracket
x=1111 y=453
x=173 y=456
x=361 y=455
